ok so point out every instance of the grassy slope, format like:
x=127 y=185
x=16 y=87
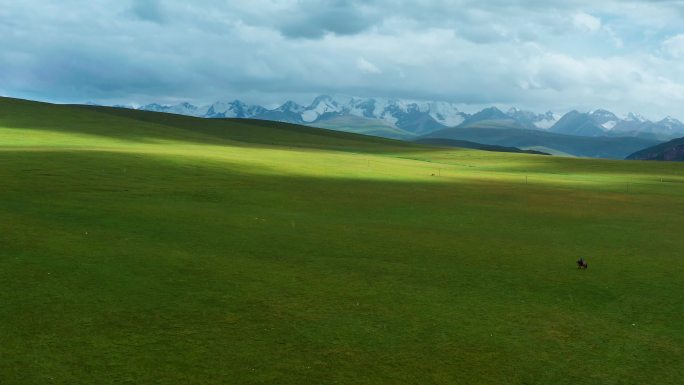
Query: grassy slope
x=359 y=125
x=548 y=151
x=146 y=248
x=472 y=145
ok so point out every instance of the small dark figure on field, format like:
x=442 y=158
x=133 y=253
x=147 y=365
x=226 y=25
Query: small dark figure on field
x=582 y=264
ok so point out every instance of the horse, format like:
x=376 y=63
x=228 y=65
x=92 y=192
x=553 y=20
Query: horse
x=582 y=264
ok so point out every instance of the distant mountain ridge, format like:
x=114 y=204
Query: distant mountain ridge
x=410 y=119
x=492 y=133
x=669 y=151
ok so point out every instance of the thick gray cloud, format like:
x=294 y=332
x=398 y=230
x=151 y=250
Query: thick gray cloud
x=150 y=10
x=315 y=18
x=622 y=55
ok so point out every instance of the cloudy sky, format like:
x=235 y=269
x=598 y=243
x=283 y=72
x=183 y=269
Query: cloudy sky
x=536 y=54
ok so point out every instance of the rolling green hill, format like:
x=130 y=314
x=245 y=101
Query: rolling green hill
x=358 y=125
x=147 y=248
x=492 y=123
x=501 y=133
x=473 y=145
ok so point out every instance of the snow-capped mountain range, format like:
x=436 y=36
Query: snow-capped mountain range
x=605 y=123
x=411 y=116
x=408 y=118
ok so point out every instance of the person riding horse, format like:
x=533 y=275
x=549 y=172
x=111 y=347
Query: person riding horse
x=582 y=264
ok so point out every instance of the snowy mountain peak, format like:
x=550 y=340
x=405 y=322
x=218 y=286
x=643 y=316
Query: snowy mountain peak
x=321 y=105
x=632 y=117
x=601 y=116
x=671 y=120
x=445 y=113
x=493 y=110
x=234 y=109
x=671 y=124
x=604 y=118
x=291 y=106
x=153 y=107
x=532 y=120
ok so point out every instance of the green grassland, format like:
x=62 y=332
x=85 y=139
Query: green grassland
x=142 y=248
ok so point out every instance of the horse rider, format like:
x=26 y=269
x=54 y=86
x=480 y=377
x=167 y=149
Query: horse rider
x=581 y=263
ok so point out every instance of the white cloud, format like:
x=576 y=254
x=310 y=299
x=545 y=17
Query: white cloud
x=674 y=46
x=367 y=67
x=586 y=22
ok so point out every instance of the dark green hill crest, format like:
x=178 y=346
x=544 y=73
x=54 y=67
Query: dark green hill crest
x=476 y=146
x=669 y=151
